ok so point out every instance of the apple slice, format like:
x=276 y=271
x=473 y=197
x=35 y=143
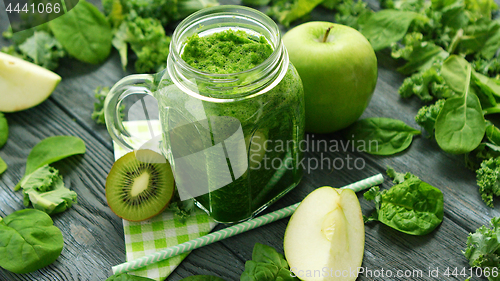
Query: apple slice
x=24 y=84
x=325 y=237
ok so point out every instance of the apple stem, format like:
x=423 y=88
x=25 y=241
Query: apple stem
x=326 y=33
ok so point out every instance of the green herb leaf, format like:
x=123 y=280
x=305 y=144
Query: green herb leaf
x=488 y=180
x=483 y=152
x=42 y=49
x=182 y=209
x=51 y=150
x=483 y=247
x=147 y=39
x=413 y=206
x=4 y=130
x=84 y=33
x=127 y=277
x=481 y=38
x=460 y=125
x=422 y=57
x=427 y=85
x=3 y=166
x=381 y=136
x=266 y=264
x=45 y=190
x=288 y=11
x=493 y=134
x=386 y=27
x=427 y=115
x=28 y=241
x=399 y=177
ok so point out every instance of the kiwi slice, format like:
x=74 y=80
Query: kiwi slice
x=140 y=185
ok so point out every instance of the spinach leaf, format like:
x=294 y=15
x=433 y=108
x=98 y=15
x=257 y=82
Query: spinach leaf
x=28 y=241
x=460 y=125
x=386 y=27
x=202 y=278
x=84 y=33
x=4 y=130
x=413 y=206
x=266 y=265
x=287 y=11
x=127 y=277
x=484 y=151
x=50 y=150
x=389 y=135
x=3 y=166
x=45 y=190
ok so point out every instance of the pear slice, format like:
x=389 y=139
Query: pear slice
x=325 y=237
x=24 y=84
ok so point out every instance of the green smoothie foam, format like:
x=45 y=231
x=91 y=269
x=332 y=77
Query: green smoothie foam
x=272 y=124
x=225 y=52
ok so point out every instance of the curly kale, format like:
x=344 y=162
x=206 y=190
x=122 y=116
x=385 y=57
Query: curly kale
x=483 y=248
x=40 y=48
x=488 y=180
x=166 y=11
x=405 y=49
x=427 y=85
x=351 y=13
x=147 y=39
x=427 y=115
x=139 y=24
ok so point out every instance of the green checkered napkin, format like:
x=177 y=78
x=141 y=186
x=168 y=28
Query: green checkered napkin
x=162 y=231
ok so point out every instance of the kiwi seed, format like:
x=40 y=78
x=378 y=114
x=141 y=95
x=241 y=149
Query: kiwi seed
x=139 y=186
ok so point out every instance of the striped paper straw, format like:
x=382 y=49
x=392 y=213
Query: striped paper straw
x=229 y=231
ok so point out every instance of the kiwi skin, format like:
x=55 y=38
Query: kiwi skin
x=152 y=180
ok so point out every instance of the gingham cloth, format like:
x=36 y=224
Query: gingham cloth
x=162 y=231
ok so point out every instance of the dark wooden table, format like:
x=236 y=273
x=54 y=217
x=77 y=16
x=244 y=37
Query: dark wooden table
x=93 y=235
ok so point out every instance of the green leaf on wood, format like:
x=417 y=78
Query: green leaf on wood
x=380 y=136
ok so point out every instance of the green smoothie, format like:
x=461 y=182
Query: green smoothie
x=272 y=124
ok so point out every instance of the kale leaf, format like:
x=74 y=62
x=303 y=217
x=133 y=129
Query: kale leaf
x=488 y=180
x=483 y=248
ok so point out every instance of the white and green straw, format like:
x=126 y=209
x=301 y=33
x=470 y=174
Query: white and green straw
x=229 y=231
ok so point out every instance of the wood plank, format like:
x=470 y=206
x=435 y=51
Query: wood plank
x=94 y=236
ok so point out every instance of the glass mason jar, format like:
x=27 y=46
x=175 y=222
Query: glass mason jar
x=232 y=139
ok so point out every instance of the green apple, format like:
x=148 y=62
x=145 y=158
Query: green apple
x=338 y=68
x=24 y=84
x=325 y=237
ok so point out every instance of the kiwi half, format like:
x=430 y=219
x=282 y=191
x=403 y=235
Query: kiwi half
x=140 y=185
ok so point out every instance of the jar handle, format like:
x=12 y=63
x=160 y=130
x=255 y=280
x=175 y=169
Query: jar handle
x=130 y=85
